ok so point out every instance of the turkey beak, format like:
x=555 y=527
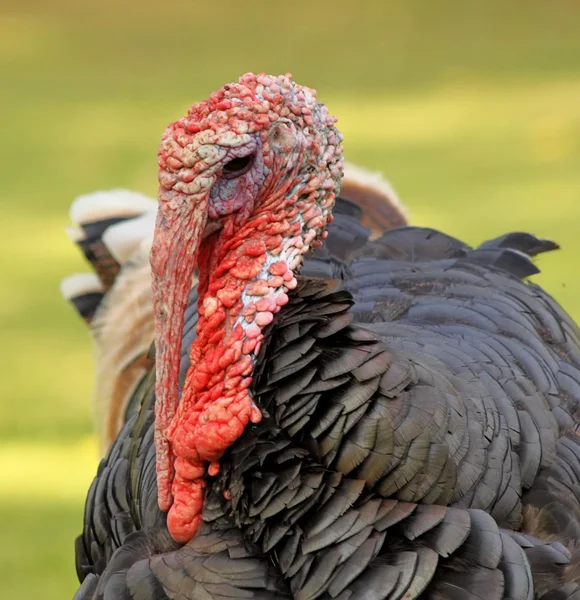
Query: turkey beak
x=178 y=230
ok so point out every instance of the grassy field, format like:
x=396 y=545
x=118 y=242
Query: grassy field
x=472 y=110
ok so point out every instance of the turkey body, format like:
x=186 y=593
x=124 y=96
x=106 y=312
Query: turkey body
x=420 y=403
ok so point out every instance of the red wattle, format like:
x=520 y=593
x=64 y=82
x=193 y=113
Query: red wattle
x=199 y=437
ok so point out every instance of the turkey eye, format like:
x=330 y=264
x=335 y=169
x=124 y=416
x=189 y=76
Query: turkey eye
x=237 y=166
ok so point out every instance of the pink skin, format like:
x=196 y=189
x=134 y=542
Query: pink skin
x=247 y=182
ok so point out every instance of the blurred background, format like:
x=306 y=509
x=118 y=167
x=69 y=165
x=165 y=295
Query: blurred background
x=470 y=108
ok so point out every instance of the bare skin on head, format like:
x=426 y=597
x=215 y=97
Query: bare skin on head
x=247 y=183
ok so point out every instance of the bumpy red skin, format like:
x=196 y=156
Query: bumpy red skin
x=269 y=219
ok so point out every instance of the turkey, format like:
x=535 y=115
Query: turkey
x=387 y=418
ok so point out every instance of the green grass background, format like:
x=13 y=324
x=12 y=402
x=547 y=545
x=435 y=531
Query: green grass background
x=472 y=109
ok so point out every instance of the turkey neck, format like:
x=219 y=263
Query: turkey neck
x=244 y=279
x=260 y=162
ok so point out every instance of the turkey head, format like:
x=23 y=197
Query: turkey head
x=247 y=183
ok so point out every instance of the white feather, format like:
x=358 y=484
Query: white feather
x=110 y=204
x=80 y=284
x=125 y=238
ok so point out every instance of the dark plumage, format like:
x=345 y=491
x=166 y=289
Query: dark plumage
x=420 y=405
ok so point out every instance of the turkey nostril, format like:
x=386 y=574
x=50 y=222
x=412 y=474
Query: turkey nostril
x=237 y=166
